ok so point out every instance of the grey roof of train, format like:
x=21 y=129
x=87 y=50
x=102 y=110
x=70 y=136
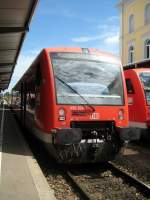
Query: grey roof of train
x=15 y=17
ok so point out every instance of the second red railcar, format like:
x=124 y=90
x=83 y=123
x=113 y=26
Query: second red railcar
x=138 y=88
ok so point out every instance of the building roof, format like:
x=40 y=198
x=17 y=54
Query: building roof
x=121 y=3
x=15 y=17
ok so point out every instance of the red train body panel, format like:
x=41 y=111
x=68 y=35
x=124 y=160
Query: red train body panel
x=63 y=103
x=138 y=98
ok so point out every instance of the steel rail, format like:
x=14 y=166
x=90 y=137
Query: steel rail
x=78 y=186
x=142 y=187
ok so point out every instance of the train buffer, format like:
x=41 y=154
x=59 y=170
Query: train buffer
x=20 y=176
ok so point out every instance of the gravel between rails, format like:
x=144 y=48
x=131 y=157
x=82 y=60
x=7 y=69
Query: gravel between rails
x=104 y=185
x=61 y=187
x=136 y=162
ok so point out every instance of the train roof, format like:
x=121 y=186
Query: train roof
x=81 y=50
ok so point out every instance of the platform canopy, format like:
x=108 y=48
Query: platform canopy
x=15 y=17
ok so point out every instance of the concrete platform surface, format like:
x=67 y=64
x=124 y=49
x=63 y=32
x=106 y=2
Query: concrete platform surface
x=20 y=175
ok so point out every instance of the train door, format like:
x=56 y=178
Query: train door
x=30 y=103
x=131 y=99
x=20 y=102
x=23 y=103
x=38 y=83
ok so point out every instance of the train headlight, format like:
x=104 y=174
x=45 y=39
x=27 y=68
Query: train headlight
x=121 y=114
x=62 y=114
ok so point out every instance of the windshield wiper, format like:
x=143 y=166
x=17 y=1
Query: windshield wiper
x=75 y=91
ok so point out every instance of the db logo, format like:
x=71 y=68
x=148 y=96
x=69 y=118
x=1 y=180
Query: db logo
x=95 y=116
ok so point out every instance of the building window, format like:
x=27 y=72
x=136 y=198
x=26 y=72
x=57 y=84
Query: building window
x=147 y=49
x=131 y=23
x=131 y=54
x=147 y=14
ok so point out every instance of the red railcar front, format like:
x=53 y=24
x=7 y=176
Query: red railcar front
x=76 y=102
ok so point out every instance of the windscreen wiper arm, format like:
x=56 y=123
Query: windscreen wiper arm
x=75 y=91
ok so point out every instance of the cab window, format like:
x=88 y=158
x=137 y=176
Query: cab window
x=38 y=76
x=130 y=89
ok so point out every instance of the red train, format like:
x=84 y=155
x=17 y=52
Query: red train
x=74 y=100
x=137 y=77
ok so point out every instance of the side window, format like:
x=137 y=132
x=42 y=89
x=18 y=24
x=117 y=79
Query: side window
x=38 y=76
x=130 y=89
x=131 y=23
x=147 y=14
x=30 y=95
x=31 y=100
x=38 y=83
x=131 y=54
x=16 y=98
x=147 y=49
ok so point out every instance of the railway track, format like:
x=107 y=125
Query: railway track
x=77 y=182
x=144 y=188
x=83 y=194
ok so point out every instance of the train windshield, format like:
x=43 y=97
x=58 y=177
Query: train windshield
x=83 y=75
x=145 y=78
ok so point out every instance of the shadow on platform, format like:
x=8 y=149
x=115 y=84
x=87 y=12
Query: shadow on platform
x=12 y=139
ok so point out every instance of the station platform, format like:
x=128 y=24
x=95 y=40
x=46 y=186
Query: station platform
x=20 y=175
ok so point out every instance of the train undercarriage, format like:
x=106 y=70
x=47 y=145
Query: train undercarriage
x=85 y=142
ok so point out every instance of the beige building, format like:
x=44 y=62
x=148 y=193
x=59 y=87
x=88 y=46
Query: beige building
x=135 y=30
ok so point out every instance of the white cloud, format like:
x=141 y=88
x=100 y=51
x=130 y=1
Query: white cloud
x=113 y=18
x=102 y=26
x=34 y=51
x=114 y=39
x=60 y=12
x=85 y=38
x=107 y=37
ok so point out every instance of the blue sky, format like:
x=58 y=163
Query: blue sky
x=83 y=23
